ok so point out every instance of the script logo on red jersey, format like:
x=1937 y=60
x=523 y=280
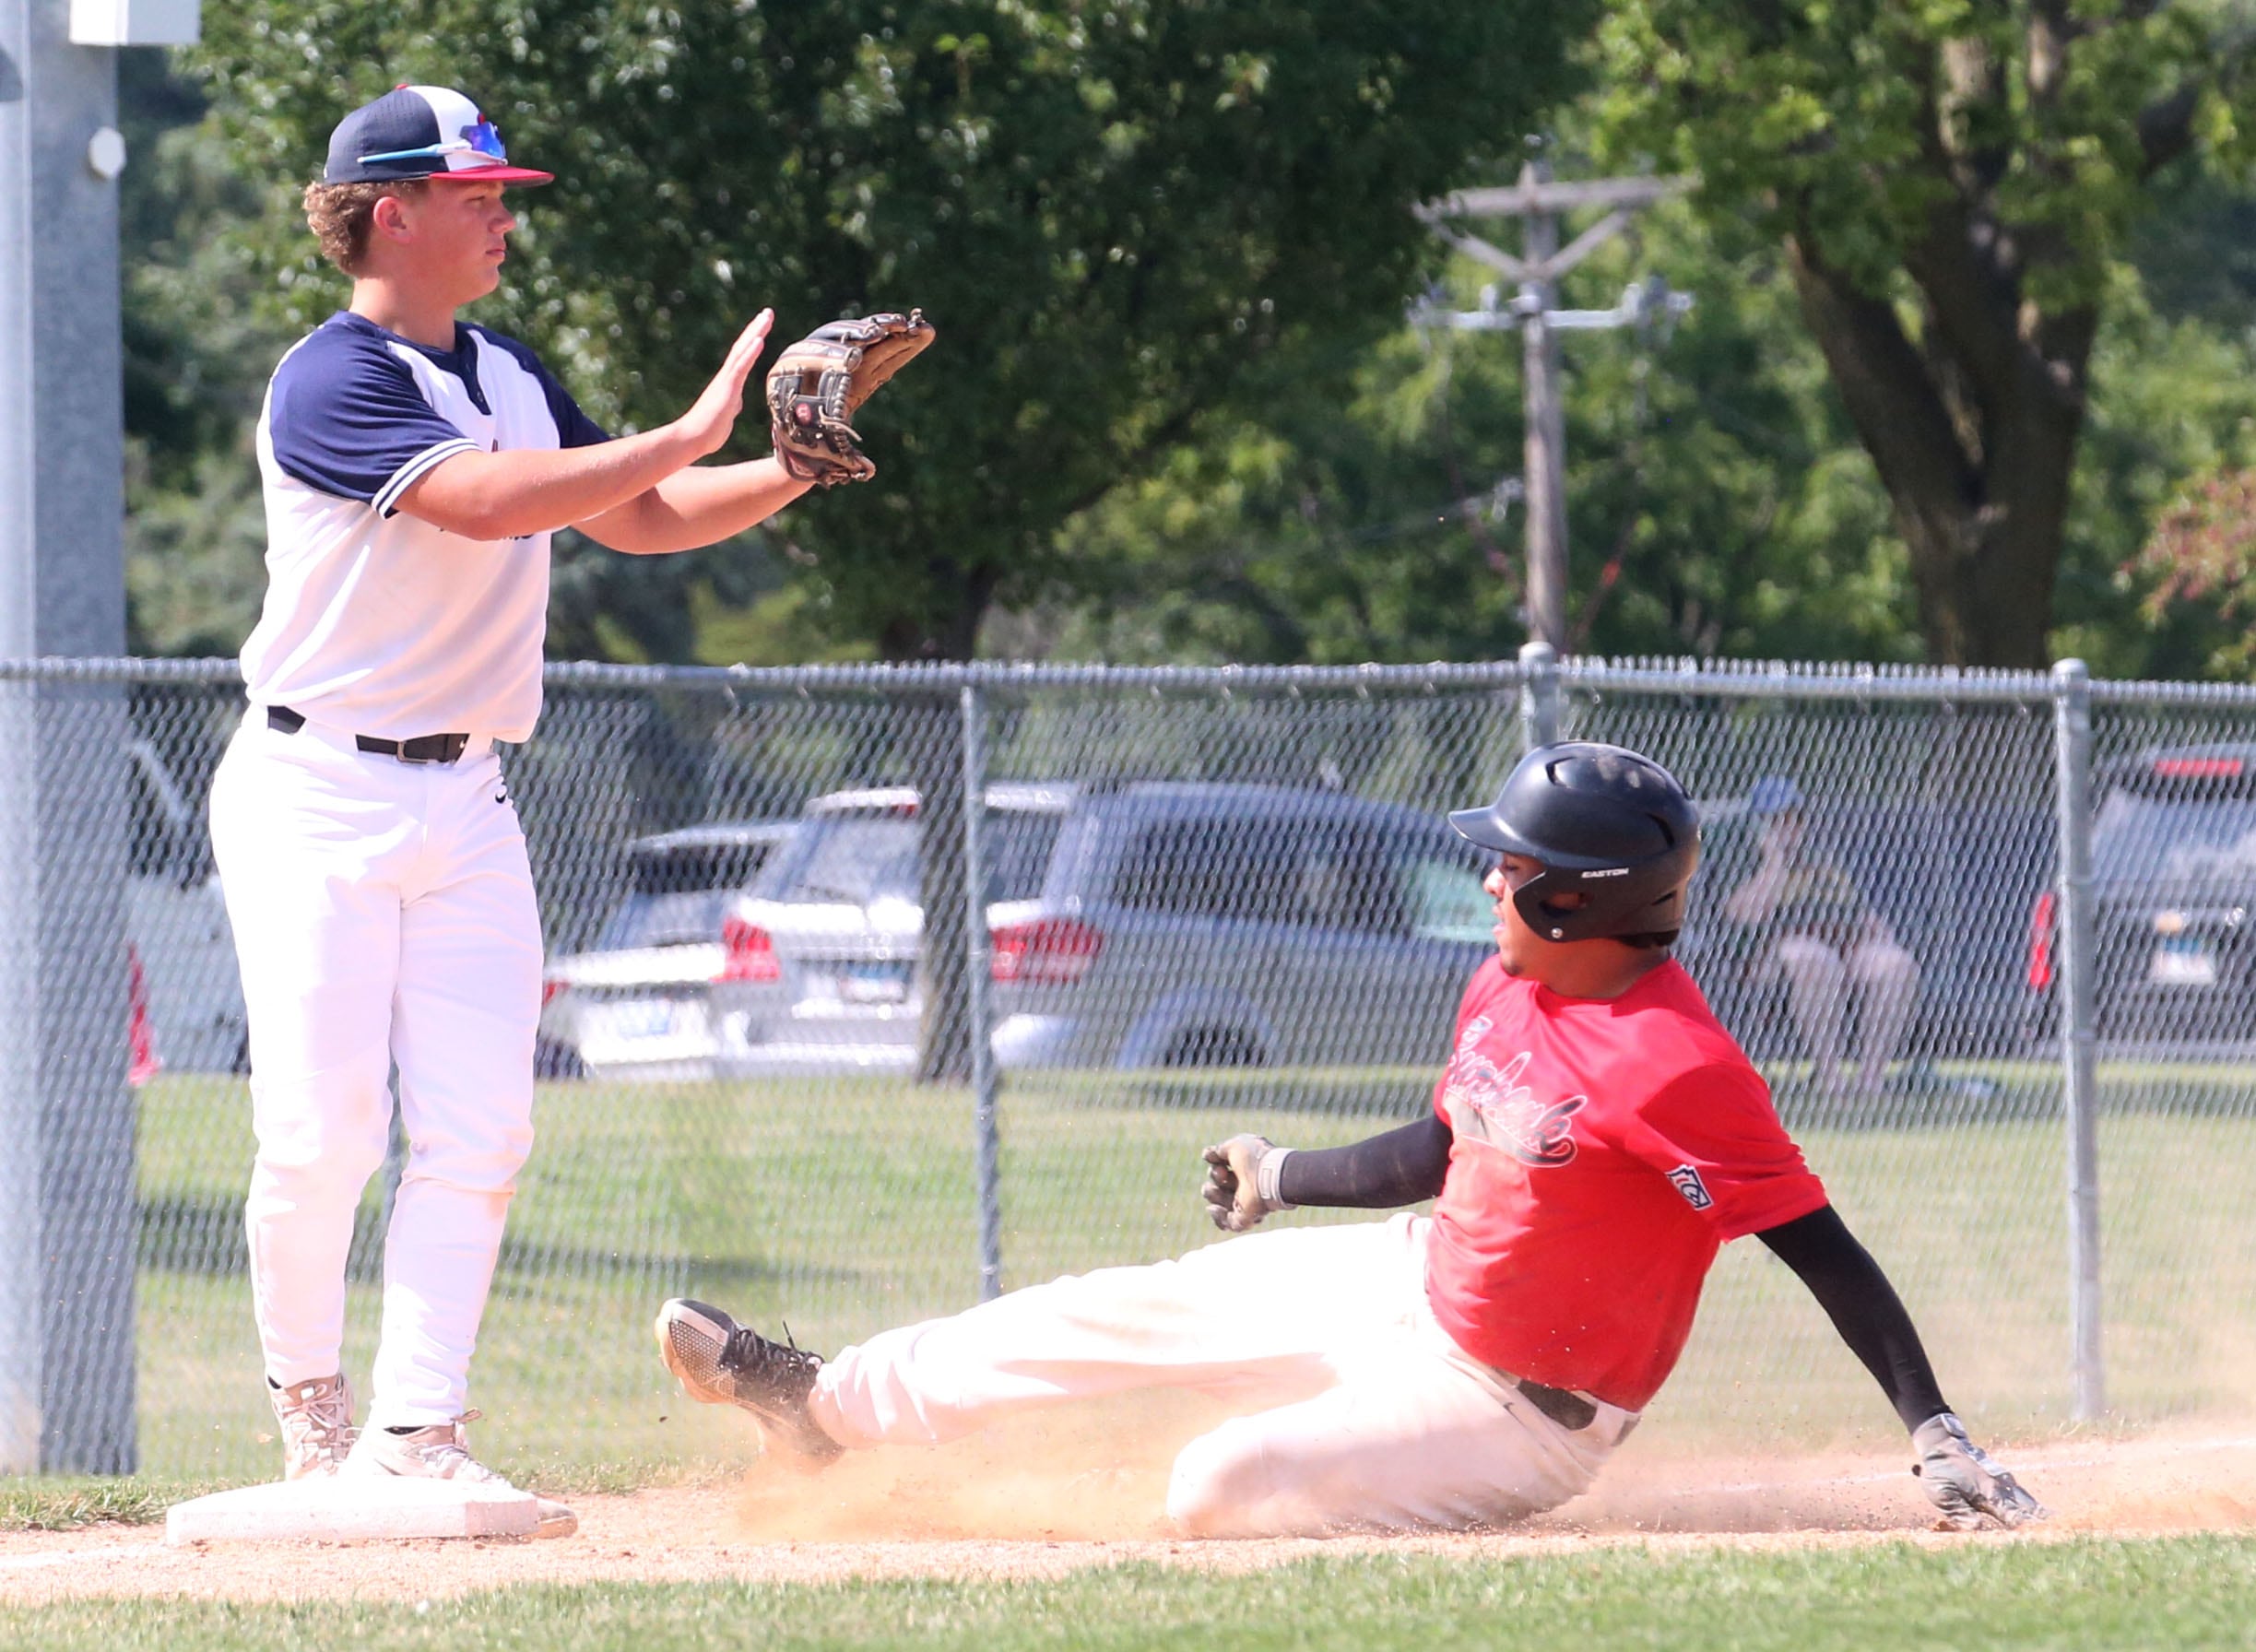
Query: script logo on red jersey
x=1488 y=1104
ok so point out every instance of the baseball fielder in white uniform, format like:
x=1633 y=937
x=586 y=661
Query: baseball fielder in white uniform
x=414 y=467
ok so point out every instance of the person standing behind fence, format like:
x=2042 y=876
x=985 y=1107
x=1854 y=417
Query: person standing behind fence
x=414 y=467
x=1832 y=950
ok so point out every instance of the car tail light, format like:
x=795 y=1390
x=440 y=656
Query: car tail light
x=2198 y=768
x=2040 y=941
x=750 y=953
x=1049 y=952
x=549 y=987
x=141 y=1060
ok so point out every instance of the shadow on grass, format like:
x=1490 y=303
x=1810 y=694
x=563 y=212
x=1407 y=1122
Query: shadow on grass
x=203 y=1235
x=1920 y=1097
x=1390 y=1093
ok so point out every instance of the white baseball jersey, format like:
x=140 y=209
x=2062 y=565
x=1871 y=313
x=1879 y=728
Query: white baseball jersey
x=377 y=622
x=383 y=911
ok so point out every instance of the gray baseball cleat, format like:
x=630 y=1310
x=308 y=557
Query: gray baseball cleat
x=315 y=1418
x=442 y=1451
x=719 y=1362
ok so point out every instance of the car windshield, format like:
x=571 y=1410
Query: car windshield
x=2157 y=839
x=1446 y=902
x=680 y=895
x=861 y=860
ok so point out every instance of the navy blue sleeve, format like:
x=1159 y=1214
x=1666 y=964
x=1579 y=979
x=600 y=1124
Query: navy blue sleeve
x=344 y=417
x=1398 y=1167
x=573 y=428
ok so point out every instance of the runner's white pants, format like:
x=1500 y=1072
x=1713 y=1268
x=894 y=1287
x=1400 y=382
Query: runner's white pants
x=382 y=912
x=1377 y=1419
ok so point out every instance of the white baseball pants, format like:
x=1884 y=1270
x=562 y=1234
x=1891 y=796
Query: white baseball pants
x=382 y=912
x=1379 y=1422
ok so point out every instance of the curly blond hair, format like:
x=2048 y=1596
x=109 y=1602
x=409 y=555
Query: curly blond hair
x=339 y=214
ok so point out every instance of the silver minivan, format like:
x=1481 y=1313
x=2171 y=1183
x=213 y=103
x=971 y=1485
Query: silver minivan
x=1134 y=924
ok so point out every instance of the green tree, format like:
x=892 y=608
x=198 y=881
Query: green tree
x=198 y=352
x=2186 y=391
x=1717 y=500
x=1952 y=184
x=2173 y=416
x=1111 y=212
x=1720 y=501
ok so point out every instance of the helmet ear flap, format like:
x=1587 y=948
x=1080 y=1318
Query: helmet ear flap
x=1531 y=898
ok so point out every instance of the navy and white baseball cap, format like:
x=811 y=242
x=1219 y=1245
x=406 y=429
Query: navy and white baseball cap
x=421 y=132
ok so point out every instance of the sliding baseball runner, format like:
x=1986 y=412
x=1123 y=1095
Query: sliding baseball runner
x=1594 y=1139
x=415 y=465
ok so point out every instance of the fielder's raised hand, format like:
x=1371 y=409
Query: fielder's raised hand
x=1965 y=1481
x=1240 y=1181
x=713 y=415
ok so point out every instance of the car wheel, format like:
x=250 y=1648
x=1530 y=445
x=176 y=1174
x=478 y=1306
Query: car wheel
x=1214 y=1047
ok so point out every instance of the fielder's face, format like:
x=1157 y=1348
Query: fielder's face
x=1524 y=951
x=452 y=237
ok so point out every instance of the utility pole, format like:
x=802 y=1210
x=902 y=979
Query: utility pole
x=67 y=1201
x=1538 y=202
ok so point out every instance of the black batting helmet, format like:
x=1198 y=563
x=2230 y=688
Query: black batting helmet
x=1606 y=823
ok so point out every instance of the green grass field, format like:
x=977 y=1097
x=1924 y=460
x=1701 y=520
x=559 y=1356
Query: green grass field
x=2067 y=1597
x=844 y=1206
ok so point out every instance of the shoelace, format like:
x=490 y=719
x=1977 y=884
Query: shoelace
x=326 y=1421
x=452 y=1455
x=747 y=1353
x=328 y=1415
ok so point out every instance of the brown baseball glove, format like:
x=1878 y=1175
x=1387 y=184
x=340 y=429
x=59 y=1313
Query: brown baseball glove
x=817 y=384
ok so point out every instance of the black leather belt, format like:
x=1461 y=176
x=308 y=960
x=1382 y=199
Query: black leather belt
x=423 y=748
x=1571 y=1412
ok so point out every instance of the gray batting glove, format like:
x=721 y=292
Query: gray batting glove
x=1240 y=1181
x=1965 y=1481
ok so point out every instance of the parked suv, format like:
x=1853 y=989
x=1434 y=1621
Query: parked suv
x=637 y=1004
x=1142 y=923
x=2173 y=899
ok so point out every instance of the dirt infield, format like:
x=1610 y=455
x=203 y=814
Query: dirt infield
x=1002 y=1507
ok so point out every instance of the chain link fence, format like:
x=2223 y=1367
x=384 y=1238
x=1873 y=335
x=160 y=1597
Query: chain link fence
x=1212 y=901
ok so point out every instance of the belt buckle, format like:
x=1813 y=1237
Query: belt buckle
x=431 y=748
x=1569 y=1409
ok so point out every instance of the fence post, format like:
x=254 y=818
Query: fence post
x=987 y=1150
x=1539 y=694
x=2072 y=709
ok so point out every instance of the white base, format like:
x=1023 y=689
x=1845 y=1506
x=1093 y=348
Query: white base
x=352 y=1508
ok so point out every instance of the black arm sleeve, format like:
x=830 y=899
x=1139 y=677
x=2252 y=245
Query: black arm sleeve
x=1863 y=1305
x=1399 y=1168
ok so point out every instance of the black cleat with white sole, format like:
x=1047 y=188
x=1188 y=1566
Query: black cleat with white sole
x=719 y=1362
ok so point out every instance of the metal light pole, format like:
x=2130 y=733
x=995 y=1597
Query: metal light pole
x=68 y=1202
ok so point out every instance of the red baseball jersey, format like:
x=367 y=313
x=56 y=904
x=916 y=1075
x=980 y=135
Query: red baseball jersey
x=1604 y=1150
